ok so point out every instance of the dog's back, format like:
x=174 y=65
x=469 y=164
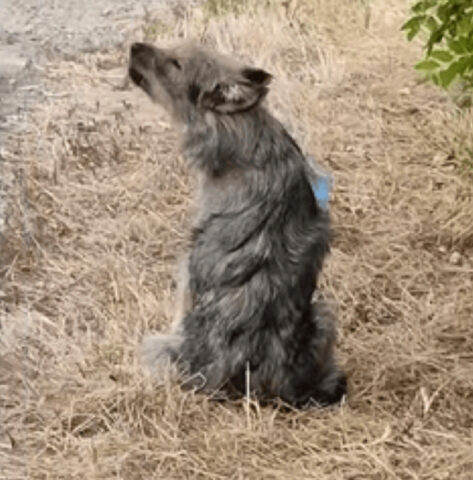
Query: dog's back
x=259 y=241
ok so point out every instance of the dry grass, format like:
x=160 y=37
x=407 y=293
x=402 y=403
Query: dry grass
x=101 y=216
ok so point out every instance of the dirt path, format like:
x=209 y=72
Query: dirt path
x=33 y=32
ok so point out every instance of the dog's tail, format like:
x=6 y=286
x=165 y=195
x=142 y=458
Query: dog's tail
x=159 y=352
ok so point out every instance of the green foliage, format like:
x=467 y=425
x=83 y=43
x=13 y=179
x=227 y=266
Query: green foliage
x=215 y=8
x=447 y=26
x=153 y=29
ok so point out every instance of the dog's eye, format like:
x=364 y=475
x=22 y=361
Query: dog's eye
x=176 y=63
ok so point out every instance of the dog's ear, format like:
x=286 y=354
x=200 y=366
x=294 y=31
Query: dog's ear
x=240 y=93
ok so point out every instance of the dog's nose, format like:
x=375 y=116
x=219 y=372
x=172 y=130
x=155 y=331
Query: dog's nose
x=136 y=48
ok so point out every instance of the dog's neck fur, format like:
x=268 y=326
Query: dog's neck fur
x=215 y=144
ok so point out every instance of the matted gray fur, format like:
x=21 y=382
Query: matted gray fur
x=259 y=239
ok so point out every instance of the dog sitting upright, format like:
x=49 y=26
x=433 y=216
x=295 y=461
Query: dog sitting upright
x=259 y=240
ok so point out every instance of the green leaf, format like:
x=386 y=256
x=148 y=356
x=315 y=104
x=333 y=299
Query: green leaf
x=413 y=26
x=447 y=76
x=464 y=43
x=457 y=46
x=412 y=22
x=435 y=79
x=463 y=64
x=436 y=37
x=413 y=32
x=418 y=7
x=441 y=55
x=443 y=13
x=427 y=65
x=432 y=24
x=469 y=63
x=464 y=26
x=423 y=5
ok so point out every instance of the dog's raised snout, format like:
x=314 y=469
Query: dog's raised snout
x=142 y=49
x=141 y=61
x=137 y=47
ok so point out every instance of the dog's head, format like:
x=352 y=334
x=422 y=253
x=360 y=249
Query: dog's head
x=189 y=79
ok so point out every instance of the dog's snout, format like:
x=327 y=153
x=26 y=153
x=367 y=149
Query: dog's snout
x=136 y=48
x=140 y=62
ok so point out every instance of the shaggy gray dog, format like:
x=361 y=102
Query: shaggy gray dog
x=259 y=240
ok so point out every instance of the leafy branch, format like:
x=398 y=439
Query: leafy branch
x=448 y=28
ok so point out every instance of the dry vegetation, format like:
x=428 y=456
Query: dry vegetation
x=101 y=216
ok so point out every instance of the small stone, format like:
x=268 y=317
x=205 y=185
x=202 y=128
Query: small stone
x=405 y=91
x=455 y=258
x=442 y=249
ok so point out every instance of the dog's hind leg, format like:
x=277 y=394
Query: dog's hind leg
x=332 y=384
x=312 y=375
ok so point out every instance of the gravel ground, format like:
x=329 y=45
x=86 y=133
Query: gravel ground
x=32 y=32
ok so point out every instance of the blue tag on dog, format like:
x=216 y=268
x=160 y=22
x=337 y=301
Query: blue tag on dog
x=321 y=187
x=321 y=182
